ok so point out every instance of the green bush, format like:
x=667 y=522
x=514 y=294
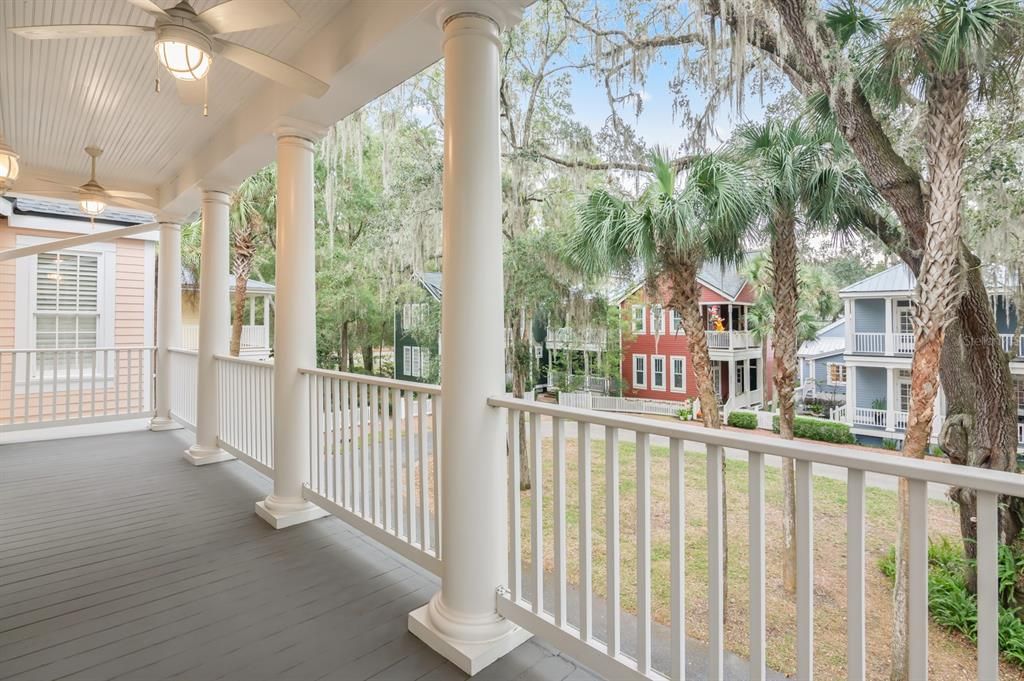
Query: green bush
x=890 y=444
x=742 y=419
x=819 y=429
x=952 y=605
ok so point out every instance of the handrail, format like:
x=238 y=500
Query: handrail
x=244 y=360
x=426 y=388
x=998 y=482
x=184 y=351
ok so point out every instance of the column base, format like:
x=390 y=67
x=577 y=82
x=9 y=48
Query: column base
x=469 y=656
x=280 y=516
x=159 y=424
x=201 y=456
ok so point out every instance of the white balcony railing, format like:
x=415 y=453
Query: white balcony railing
x=1020 y=433
x=538 y=597
x=247 y=410
x=731 y=340
x=870 y=343
x=255 y=337
x=1006 y=340
x=184 y=368
x=903 y=343
x=42 y=387
x=869 y=417
x=375 y=459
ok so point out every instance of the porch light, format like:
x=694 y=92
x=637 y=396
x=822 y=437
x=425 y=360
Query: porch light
x=8 y=166
x=186 y=54
x=92 y=205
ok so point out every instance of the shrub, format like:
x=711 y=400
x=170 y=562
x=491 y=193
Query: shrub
x=952 y=605
x=889 y=444
x=742 y=419
x=819 y=429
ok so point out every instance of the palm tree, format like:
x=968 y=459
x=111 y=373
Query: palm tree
x=946 y=52
x=806 y=177
x=671 y=230
x=251 y=215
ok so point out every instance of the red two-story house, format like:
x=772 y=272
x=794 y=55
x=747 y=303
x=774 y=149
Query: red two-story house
x=655 y=350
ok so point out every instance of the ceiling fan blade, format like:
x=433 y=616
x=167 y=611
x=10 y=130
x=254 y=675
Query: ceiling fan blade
x=150 y=7
x=68 y=31
x=119 y=194
x=191 y=91
x=128 y=203
x=245 y=15
x=58 y=183
x=271 y=68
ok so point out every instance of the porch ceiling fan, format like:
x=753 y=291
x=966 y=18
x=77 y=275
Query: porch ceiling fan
x=186 y=42
x=93 y=197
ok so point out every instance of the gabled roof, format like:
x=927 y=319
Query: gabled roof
x=825 y=343
x=726 y=280
x=898 y=279
x=54 y=208
x=431 y=281
x=251 y=286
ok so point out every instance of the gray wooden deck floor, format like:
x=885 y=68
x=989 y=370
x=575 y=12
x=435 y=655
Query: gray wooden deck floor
x=120 y=560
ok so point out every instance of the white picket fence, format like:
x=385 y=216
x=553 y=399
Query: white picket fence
x=587 y=400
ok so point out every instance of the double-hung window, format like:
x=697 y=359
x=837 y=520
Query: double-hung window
x=66 y=308
x=657 y=319
x=657 y=372
x=678 y=374
x=639 y=319
x=639 y=371
x=835 y=373
x=677 y=322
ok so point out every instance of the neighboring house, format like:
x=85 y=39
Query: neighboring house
x=414 y=356
x=879 y=347
x=656 y=360
x=100 y=295
x=256 y=340
x=822 y=364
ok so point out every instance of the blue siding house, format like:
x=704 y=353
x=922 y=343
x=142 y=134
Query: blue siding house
x=822 y=364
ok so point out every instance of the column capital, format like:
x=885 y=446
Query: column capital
x=287 y=126
x=502 y=13
x=173 y=225
x=217 y=193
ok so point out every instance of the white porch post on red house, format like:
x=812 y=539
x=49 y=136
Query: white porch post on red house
x=461 y=621
x=214 y=319
x=295 y=327
x=168 y=321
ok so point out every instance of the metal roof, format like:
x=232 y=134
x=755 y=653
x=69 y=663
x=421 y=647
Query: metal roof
x=726 y=279
x=897 y=279
x=431 y=281
x=25 y=205
x=822 y=347
x=252 y=285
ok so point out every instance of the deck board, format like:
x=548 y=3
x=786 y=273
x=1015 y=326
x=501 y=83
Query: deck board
x=118 y=560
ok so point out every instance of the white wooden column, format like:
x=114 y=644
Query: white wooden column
x=214 y=321
x=168 y=321
x=848 y=311
x=890 y=341
x=851 y=393
x=890 y=399
x=266 y=322
x=295 y=332
x=461 y=621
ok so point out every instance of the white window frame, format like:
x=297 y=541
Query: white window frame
x=642 y=319
x=640 y=366
x=655 y=384
x=407 y=360
x=904 y=306
x=25 y=305
x=417 y=367
x=843 y=371
x=676 y=322
x=902 y=381
x=658 y=320
x=672 y=373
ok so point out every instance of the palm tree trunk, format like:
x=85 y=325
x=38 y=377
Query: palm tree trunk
x=784 y=292
x=685 y=298
x=939 y=289
x=241 y=282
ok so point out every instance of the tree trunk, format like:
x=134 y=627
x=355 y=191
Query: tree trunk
x=784 y=292
x=939 y=288
x=368 y=358
x=343 y=361
x=685 y=298
x=520 y=363
x=241 y=281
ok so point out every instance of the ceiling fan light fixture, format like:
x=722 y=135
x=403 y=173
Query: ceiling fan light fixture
x=8 y=166
x=92 y=205
x=185 y=53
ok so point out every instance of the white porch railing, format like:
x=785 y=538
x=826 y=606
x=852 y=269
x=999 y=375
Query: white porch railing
x=900 y=418
x=255 y=337
x=1006 y=339
x=184 y=369
x=525 y=601
x=246 y=414
x=838 y=414
x=76 y=385
x=632 y=405
x=871 y=343
x=1020 y=433
x=903 y=343
x=869 y=417
x=375 y=459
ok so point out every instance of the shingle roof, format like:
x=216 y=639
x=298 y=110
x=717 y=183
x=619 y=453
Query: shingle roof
x=431 y=281
x=113 y=215
x=895 y=279
x=725 y=278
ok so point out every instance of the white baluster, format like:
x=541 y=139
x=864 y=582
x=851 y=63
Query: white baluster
x=755 y=484
x=855 y=638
